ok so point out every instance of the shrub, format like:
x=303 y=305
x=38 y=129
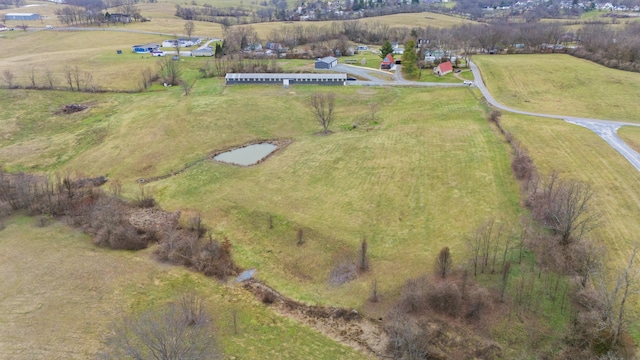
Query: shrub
x=444 y=297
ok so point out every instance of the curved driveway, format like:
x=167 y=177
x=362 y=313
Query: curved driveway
x=606 y=129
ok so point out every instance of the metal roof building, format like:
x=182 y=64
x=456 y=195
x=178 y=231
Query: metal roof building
x=286 y=79
x=326 y=62
x=21 y=16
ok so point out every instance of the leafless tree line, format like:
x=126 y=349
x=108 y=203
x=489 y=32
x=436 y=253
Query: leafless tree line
x=106 y=216
x=74 y=76
x=564 y=213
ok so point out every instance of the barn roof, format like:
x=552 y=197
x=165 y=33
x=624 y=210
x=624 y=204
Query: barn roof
x=327 y=59
x=445 y=66
x=388 y=60
x=236 y=76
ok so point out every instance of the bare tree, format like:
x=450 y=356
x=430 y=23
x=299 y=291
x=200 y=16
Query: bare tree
x=50 y=78
x=176 y=331
x=443 y=262
x=8 y=77
x=363 y=259
x=169 y=71
x=564 y=207
x=626 y=285
x=322 y=106
x=189 y=28
x=32 y=77
x=187 y=85
x=68 y=76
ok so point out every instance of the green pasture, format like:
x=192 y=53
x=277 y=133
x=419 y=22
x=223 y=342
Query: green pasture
x=410 y=185
x=577 y=153
x=60 y=294
x=631 y=136
x=561 y=84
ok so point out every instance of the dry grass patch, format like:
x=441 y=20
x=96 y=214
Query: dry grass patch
x=60 y=294
x=561 y=84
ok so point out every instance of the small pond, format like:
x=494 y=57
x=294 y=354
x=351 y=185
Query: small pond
x=247 y=155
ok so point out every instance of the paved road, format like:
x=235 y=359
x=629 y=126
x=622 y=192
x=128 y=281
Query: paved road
x=373 y=77
x=606 y=129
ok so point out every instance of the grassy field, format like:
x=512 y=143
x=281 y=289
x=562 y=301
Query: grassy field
x=631 y=136
x=577 y=153
x=409 y=187
x=561 y=84
x=60 y=294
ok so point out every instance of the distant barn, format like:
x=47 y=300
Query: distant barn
x=443 y=69
x=286 y=79
x=326 y=63
x=21 y=16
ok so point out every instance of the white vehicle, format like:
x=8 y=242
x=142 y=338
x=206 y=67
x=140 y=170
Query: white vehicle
x=157 y=53
x=468 y=82
x=48 y=27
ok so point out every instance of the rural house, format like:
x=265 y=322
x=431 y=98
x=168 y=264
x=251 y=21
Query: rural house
x=144 y=49
x=443 y=69
x=326 y=62
x=387 y=63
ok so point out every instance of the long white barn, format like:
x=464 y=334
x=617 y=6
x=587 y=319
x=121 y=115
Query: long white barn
x=286 y=79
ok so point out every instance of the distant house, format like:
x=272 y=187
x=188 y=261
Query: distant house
x=387 y=63
x=443 y=69
x=121 y=18
x=326 y=62
x=21 y=16
x=145 y=49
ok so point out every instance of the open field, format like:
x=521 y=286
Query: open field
x=561 y=84
x=409 y=187
x=60 y=294
x=631 y=136
x=92 y=52
x=577 y=153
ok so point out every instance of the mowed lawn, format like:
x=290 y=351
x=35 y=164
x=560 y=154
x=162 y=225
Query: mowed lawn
x=631 y=136
x=562 y=84
x=60 y=295
x=423 y=179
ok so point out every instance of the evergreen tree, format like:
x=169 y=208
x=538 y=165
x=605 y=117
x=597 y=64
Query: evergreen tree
x=410 y=60
x=386 y=49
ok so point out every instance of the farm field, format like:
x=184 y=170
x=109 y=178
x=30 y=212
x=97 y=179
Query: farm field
x=561 y=84
x=388 y=184
x=93 y=52
x=60 y=295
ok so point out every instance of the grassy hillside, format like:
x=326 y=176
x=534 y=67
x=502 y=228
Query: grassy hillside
x=60 y=294
x=422 y=180
x=561 y=84
x=631 y=136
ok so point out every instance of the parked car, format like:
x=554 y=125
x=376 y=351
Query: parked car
x=157 y=53
x=468 y=82
x=48 y=27
x=457 y=71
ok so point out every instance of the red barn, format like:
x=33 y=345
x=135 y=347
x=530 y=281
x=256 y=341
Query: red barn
x=443 y=69
x=387 y=63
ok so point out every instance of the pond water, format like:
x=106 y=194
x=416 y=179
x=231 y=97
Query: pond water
x=247 y=155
